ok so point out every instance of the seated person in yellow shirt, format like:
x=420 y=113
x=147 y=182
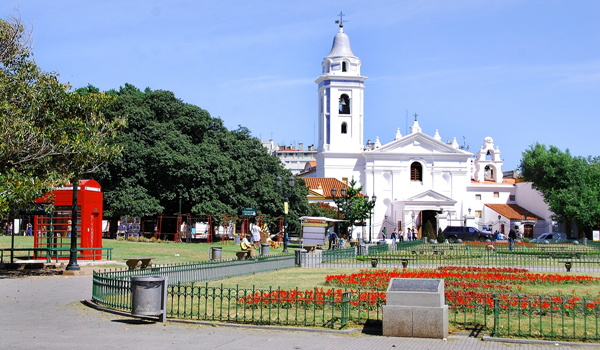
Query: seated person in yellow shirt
x=246 y=246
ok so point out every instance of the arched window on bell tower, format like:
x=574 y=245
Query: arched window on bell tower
x=416 y=172
x=344 y=128
x=344 y=67
x=344 y=104
x=488 y=173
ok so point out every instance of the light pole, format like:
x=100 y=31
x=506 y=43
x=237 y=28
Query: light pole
x=465 y=222
x=285 y=193
x=499 y=223
x=414 y=224
x=338 y=202
x=370 y=206
x=180 y=221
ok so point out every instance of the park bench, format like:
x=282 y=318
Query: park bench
x=133 y=262
x=565 y=255
x=569 y=263
x=243 y=254
x=389 y=258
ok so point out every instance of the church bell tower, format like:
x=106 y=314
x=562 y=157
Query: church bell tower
x=341 y=95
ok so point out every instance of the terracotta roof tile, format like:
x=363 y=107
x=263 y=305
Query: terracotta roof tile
x=513 y=211
x=326 y=183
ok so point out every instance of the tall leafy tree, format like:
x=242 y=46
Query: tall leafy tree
x=170 y=147
x=354 y=208
x=570 y=185
x=48 y=134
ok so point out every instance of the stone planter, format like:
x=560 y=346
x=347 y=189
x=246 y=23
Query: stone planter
x=568 y=266
x=374 y=262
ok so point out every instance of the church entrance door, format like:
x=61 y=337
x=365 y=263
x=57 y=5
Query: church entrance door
x=428 y=215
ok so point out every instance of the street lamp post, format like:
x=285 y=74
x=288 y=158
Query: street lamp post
x=285 y=193
x=338 y=202
x=414 y=224
x=370 y=206
x=180 y=221
x=499 y=223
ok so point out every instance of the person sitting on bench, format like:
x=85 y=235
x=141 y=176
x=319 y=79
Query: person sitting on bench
x=246 y=246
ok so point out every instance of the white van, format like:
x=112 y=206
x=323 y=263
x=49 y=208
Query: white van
x=552 y=237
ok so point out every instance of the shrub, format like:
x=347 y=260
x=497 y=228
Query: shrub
x=440 y=237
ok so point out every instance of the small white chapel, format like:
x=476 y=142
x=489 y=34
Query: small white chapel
x=416 y=177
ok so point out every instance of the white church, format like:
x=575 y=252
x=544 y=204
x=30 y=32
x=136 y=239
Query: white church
x=416 y=177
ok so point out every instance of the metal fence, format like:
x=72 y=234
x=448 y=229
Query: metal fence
x=56 y=254
x=557 y=257
x=540 y=316
x=112 y=288
x=332 y=308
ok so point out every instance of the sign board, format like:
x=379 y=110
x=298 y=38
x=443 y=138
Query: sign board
x=285 y=208
x=249 y=212
x=596 y=235
x=414 y=285
x=313 y=235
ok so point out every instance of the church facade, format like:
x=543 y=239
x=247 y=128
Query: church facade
x=416 y=177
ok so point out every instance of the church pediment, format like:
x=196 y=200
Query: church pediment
x=430 y=197
x=419 y=143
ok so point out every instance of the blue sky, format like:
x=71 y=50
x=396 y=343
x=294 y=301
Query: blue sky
x=518 y=71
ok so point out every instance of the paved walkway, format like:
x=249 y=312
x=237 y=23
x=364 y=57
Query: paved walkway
x=46 y=313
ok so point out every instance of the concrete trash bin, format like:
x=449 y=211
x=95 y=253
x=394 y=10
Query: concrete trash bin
x=264 y=249
x=216 y=253
x=236 y=240
x=146 y=295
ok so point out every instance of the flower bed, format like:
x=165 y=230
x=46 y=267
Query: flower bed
x=483 y=297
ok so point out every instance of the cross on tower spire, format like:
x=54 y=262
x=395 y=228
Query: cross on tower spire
x=416 y=115
x=341 y=20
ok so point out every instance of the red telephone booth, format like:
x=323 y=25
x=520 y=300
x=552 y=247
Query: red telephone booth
x=54 y=231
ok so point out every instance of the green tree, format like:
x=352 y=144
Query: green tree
x=355 y=208
x=570 y=185
x=170 y=146
x=428 y=230
x=48 y=134
x=440 y=236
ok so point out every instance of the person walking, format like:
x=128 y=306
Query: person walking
x=394 y=236
x=332 y=237
x=512 y=235
x=384 y=234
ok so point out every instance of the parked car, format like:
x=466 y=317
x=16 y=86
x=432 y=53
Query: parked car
x=465 y=233
x=552 y=237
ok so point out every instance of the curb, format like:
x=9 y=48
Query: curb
x=487 y=338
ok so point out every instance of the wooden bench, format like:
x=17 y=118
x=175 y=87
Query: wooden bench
x=243 y=254
x=402 y=259
x=133 y=262
x=569 y=263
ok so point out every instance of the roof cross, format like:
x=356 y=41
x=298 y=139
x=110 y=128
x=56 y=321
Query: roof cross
x=341 y=20
x=416 y=115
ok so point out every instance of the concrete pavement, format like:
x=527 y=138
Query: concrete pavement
x=47 y=313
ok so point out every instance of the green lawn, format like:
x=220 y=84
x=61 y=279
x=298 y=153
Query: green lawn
x=164 y=253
